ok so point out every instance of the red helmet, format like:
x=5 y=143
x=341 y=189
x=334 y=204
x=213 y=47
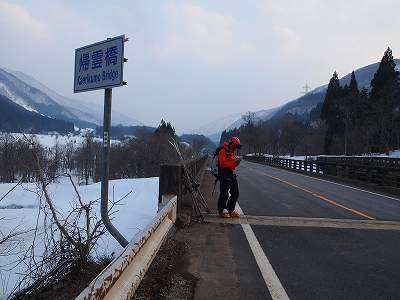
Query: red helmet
x=235 y=142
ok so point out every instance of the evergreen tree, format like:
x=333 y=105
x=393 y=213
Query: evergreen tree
x=361 y=108
x=331 y=113
x=348 y=105
x=385 y=103
x=353 y=86
x=349 y=98
x=165 y=128
x=385 y=78
x=315 y=113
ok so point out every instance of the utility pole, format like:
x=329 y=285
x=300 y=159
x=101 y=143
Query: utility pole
x=306 y=89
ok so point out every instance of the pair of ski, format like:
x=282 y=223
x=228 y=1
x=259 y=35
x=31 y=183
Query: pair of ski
x=193 y=186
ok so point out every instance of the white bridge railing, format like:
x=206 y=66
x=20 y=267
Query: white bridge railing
x=121 y=278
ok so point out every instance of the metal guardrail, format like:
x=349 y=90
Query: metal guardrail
x=308 y=166
x=121 y=278
x=376 y=170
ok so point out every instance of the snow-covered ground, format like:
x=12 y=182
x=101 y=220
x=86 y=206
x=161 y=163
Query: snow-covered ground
x=131 y=215
x=393 y=154
x=50 y=140
x=300 y=157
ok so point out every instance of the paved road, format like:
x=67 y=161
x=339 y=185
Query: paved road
x=270 y=191
x=318 y=262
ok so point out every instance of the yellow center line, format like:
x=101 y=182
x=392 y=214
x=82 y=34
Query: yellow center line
x=319 y=196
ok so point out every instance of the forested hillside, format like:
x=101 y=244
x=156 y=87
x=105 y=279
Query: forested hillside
x=15 y=118
x=349 y=121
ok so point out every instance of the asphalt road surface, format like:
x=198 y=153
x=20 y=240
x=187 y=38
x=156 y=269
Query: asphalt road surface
x=320 y=262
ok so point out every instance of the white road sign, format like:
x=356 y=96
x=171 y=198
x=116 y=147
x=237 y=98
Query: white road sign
x=100 y=65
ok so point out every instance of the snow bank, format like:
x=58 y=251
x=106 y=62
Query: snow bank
x=392 y=154
x=132 y=214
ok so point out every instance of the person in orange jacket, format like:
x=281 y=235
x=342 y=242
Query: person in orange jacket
x=228 y=183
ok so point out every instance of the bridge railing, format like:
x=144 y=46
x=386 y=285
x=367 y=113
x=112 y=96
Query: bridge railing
x=121 y=278
x=172 y=179
x=307 y=166
x=376 y=170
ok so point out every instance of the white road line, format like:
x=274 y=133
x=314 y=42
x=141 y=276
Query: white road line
x=328 y=181
x=271 y=279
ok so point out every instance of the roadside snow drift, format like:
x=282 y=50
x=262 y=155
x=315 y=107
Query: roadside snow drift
x=19 y=210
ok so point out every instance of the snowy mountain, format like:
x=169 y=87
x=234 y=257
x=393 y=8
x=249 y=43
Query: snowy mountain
x=214 y=129
x=15 y=118
x=217 y=126
x=35 y=100
x=307 y=102
x=302 y=105
x=91 y=113
x=261 y=115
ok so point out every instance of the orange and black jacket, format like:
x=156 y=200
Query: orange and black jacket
x=227 y=158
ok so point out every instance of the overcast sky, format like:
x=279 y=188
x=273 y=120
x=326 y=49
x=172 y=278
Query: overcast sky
x=191 y=62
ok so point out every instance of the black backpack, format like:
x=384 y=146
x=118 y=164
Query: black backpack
x=215 y=168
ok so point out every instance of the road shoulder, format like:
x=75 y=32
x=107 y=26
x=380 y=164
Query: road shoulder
x=210 y=261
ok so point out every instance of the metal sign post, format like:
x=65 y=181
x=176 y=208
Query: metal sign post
x=100 y=66
x=106 y=168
